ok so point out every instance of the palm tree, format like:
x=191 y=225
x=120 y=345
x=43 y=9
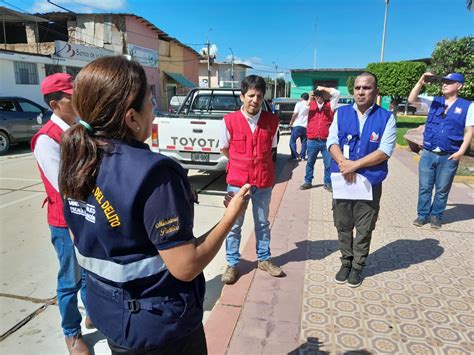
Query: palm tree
x=469 y=4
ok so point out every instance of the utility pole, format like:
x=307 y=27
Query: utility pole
x=232 y=69
x=208 y=64
x=276 y=75
x=286 y=89
x=208 y=59
x=384 y=30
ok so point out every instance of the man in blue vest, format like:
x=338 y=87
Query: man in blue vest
x=361 y=140
x=448 y=134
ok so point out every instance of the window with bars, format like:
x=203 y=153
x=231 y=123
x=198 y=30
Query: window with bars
x=73 y=71
x=51 y=69
x=26 y=73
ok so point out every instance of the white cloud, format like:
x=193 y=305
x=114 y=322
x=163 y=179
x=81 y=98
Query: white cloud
x=213 y=50
x=80 y=6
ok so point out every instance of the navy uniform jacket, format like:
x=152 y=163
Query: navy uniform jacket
x=141 y=204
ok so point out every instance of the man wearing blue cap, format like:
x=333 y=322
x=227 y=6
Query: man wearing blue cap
x=448 y=132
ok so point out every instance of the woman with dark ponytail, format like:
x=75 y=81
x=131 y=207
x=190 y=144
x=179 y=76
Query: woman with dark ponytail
x=131 y=212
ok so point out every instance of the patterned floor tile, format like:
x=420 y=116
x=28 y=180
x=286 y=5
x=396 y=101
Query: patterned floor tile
x=417 y=296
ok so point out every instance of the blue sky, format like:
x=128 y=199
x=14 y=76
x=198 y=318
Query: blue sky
x=345 y=33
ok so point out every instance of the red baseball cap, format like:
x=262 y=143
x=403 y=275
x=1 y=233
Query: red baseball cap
x=59 y=82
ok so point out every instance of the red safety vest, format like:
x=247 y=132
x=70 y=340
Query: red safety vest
x=250 y=154
x=319 y=121
x=55 y=202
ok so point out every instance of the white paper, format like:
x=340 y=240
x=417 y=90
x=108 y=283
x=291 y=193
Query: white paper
x=345 y=151
x=360 y=190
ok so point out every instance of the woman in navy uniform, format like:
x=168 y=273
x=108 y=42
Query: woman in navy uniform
x=131 y=212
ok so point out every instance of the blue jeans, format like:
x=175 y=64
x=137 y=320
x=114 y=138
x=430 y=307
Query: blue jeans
x=298 y=132
x=434 y=171
x=71 y=280
x=314 y=147
x=260 y=208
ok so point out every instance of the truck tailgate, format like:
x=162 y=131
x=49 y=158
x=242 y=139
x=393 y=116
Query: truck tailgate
x=194 y=142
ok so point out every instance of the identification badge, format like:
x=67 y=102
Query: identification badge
x=345 y=151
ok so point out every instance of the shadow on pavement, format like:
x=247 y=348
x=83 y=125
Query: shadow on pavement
x=313 y=347
x=458 y=212
x=213 y=292
x=402 y=253
x=282 y=173
x=308 y=250
x=93 y=338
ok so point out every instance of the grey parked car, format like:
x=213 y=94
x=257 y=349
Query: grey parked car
x=20 y=119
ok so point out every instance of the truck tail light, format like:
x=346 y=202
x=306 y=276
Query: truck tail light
x=154 y=135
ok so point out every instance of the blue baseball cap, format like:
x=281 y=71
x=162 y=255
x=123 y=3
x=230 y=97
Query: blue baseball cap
x=455 y=77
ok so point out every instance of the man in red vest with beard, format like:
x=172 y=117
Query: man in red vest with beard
x=247 y=138
x=57 y=90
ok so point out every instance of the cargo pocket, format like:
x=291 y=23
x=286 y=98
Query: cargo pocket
x=105 y=308
x=240 y=143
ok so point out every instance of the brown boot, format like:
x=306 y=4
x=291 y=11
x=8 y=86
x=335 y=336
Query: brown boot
x=230 y=275
x=88 y=323
x=76 y=345
x=270 y=267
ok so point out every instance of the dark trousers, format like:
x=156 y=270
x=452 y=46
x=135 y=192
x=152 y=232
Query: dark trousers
x=192 y=344
x=359 y=214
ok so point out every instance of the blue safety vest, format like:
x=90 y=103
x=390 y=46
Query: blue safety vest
x=131 y=296
x=362 y=145
x=445 y=131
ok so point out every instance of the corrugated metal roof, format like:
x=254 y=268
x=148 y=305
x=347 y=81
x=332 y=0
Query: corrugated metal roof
x=9 y=15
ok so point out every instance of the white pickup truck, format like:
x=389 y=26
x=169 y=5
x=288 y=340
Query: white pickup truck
x=191 y=136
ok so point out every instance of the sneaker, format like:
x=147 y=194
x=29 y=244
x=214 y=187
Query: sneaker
x=299 y=158
x=306 y=186
x=270 y=267
x=343 y=274
x=76 y=345
x=230 y=275
x=355 y=278
x=419 y=222
x=328 y=187
x=435 y=222
x=88 y=323
x=293 y=159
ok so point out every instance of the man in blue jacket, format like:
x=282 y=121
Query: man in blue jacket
x=448 y=134
x=361 y=140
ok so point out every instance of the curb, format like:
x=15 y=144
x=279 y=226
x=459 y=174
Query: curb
x=225 y=314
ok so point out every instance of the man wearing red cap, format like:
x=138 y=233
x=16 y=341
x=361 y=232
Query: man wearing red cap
x=57 y=90
x=448 y=133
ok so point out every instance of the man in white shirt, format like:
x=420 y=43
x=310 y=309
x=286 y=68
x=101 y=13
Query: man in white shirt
x=298 y=123
x=57 y=90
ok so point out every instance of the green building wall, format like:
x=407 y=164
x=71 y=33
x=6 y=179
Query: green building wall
x=303 y=81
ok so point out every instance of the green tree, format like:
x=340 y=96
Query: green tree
x=454 y=55
x=350 y=84
x=396 y=79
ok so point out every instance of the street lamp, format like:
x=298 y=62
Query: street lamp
x=276 y=75
x=384 y=30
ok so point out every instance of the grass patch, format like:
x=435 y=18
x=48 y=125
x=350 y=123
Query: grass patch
x=405 y=123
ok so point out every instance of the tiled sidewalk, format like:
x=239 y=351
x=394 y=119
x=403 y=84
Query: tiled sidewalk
x=417 y=295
